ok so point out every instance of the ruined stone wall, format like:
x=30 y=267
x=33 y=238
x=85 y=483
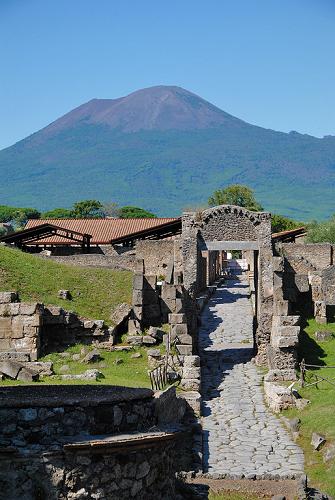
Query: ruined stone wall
x=113 y=261
x=63 y=442
x=157 y=255
x=320 y=255
x=229 y=223
x=61 y=328
x=20 y=326
x=50 y=415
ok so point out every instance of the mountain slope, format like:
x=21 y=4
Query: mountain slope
x=166 y=149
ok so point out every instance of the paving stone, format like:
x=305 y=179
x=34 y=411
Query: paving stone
x=241 y=437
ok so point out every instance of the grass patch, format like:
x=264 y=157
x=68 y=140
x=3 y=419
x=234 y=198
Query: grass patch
x=319 y=415
x=232 y=495
x=95 y=292
x=132 y=372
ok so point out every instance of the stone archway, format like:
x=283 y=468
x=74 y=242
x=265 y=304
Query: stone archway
x=233 y=227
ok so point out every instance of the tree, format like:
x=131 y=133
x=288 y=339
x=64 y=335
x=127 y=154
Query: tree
x=111 y=209
x=58 y=213
x=22 y=215
x=86 y=209
x=135 y=213
x=7 y=213
x=281 y=223
x=235 y=194
x=321 y=232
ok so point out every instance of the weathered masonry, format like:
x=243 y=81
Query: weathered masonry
x=220 y=229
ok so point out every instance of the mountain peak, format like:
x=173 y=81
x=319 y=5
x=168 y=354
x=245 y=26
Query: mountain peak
x=161 y=107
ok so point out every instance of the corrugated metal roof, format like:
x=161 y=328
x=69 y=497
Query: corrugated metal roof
x=101 y=230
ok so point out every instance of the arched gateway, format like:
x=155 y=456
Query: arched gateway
x=207 y=234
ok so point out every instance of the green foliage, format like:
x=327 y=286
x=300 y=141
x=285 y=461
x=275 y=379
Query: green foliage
x=22 y=215
x=111 y=209
x=86 y=209
x=57 y=213
x=235 y=194
x=135 y=213
x=18 y=215
x=321 y=232
x=7 y=213
x=95 y=292
x=318 y=416
x=281 y=223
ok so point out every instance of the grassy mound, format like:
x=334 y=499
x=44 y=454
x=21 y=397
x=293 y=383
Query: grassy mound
x=95 y=292
x=318 y=416
x=117 y=368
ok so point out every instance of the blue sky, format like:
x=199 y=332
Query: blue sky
x=269 y=62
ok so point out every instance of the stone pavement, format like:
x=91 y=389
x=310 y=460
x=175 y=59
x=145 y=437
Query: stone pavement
x=241 y=437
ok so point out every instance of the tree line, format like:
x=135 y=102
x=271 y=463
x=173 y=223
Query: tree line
x=235 y=194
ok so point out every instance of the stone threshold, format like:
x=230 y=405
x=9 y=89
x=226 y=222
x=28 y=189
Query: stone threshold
x=120 y=442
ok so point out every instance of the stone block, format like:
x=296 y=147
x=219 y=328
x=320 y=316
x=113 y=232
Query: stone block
x=20 y=357
x=14 y=308
x=29 y=309
x=17 y=327
x=190 y=384
x=178 y=330
x=323 y=336
x=34 y=320
x=154 y=353
x=134 y=327
x=88 y=324
x=281 y=308
x=179 y=306
x=138 y=312
x=280 y=375
x=184 y=350
x=6 y=328
x=321 y=320
x=185 y=339
x=8 y=297
x=177 y=318
x=26 y=375
x=5 y=344
x=169 y=292
x=191 y=372
x=278 y=264
x=148 y=340
x=139 y=266
x=301 y=282
x=10 y=368
x=136 y=340
x=149 y=282
x=286 y=320
x=138 y=281
x=137 y=298
x=192 y=361
x=43 y=368
x=320 y=309
x=278 y=397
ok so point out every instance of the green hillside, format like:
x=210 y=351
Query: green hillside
x=95 y=292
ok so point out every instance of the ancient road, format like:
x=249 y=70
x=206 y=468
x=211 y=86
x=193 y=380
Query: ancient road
x=241 y=437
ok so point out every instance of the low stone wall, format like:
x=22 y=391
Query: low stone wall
x=20 y=325
x=61 y=328
x=75 y=442
x=52 y=415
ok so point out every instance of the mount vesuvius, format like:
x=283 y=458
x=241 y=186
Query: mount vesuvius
x=164 y=149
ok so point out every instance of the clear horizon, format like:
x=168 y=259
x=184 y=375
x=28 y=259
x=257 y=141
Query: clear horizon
x=268 y=63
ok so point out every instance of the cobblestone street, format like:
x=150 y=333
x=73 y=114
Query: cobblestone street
x=241 y=437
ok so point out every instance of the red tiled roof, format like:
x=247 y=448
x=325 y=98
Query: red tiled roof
x=101 y=230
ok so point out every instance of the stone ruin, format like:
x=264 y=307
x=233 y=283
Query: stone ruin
x=172 y=281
